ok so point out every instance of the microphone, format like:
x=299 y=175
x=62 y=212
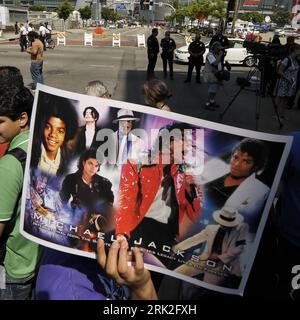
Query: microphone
x=188 y=169
x=194 y=191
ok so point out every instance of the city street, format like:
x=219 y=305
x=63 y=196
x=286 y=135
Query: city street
x=123 y=70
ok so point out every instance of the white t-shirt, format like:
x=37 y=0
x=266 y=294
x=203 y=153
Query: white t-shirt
x=23 y=31
x=43 y=30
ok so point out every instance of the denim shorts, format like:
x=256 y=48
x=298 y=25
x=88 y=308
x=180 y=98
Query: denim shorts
x=18 y=289
x=213 y=87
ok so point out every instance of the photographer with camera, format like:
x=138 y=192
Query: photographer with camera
x=214 y=73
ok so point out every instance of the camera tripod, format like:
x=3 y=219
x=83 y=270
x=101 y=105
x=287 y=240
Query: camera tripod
x=256 y=71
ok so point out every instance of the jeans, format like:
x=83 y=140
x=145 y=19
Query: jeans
x=36 y=70
x=18 y=289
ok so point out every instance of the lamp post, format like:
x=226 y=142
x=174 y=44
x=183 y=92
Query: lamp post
x=235 y=14
x=160 y=4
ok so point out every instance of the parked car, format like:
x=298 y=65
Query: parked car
x=289 y=31
x=236 y=54
x=173 y=30
x=205 y=31
x=96 y=23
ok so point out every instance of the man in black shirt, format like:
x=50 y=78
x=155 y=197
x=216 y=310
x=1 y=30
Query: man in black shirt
x=219 y=37
x=223 y=40
x=153 y=50
x=196 y=50
x=168 y=46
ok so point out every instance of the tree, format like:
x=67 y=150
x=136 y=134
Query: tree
x=64 y=10
x=36 y=7
x=85 y=13
x=281 y=17
x=109 y=14
x=255 y=17
x=179 y=15
x=216 y=8
x=205 y=8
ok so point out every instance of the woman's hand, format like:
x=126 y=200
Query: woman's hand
x=134 y=276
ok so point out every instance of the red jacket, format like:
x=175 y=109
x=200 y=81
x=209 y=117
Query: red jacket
x=138 y=188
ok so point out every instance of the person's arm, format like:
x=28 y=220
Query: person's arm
x=174 y=45
x=33 y=49
x=226 y=43
x=202 y=51
x=136 y=277
x=240 y=242
x=190 y=51
x=193 y=198
x=66 y=189
x=161 y=43
x=282 y=68
x=2 y=226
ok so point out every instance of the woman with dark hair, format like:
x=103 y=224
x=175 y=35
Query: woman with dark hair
x=90 y=192
x=87 y=134
x=155 y=93
x=58 y=124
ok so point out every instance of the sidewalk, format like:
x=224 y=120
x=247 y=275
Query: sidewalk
x=8 y=36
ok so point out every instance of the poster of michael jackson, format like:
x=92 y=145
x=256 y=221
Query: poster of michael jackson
x=195 y=195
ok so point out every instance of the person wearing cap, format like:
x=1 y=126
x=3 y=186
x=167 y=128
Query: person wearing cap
x=196 y=50
x=240 y=188
x=224 y=244
x=127 y=145
x=168 y=46
x=213 y=64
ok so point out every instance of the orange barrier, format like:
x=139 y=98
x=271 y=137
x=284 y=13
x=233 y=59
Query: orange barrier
x=60 y=34
x=99 y=30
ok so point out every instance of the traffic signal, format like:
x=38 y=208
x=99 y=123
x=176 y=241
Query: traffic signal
x=231 y=5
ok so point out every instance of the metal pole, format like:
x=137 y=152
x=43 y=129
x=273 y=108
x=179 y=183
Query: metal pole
x=236 y=11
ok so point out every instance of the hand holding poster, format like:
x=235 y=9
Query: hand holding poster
x=193 y=194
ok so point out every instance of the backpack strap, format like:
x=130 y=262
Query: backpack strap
x=20 y=155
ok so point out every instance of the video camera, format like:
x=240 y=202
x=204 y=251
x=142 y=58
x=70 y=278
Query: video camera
x=262 y=48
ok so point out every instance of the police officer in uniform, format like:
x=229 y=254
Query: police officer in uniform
x=223 y=40
x=153 y=50
x=168 y=46
x=196 y=50
x=218 y=37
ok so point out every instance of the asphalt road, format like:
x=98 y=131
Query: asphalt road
x=123 y=70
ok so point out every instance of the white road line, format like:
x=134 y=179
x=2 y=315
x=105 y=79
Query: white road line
x=101 y=65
